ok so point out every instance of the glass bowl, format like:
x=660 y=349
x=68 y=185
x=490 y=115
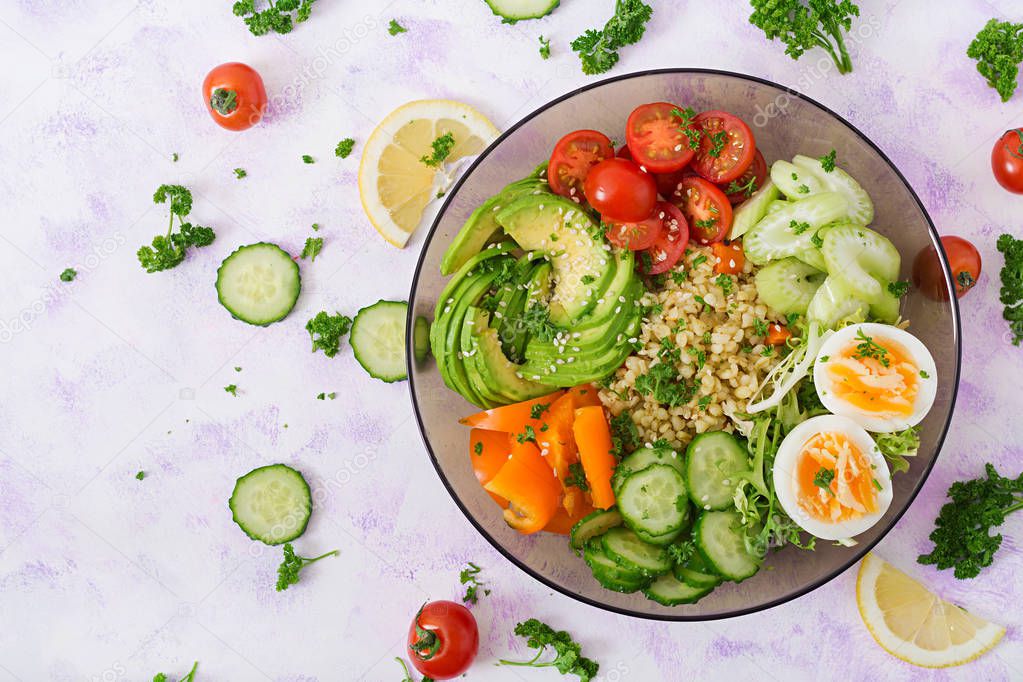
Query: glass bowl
x=784 y=123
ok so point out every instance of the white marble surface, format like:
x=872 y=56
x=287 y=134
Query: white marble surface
x=103 y=577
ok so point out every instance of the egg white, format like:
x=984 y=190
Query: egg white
x=786 y=462
x=845 y=337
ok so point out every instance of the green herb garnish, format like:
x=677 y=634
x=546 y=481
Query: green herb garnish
x=312 y=248
x=394 y=28
x=598 y=50
x=344 y=148
x=568 y=658
x=442 y=147
x=68 y=275
x=168 y=251
x=805 y=25
x=326 y=332
x=289 y=570
x=998 y=49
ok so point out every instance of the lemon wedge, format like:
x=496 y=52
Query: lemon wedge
x=915 y=625
x=394 y=183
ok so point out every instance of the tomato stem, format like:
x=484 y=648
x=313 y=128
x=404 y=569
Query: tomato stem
x=224 y=101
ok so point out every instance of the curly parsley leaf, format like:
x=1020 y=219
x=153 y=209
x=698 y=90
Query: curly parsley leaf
x=344 y=148
x=828 y=161
x=289 y=570
x=598 y=50
x=326 y=332
x=804 y=24
x=1011 y=292
x=168 y=251
x=68 y=275
x=962 y=534
x=190 y=677
x=312 y=248
x=469 y=577
x=998 y=50
x=545 y=47
x=568 y=658
x=442 y=147
x=577 y=477
x=394 y=28
x=276 y=18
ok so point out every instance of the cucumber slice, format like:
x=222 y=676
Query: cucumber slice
x=670 y=591
x=641 y=459
x=272 y=504
x=594 y=525
x=886 y=310
x=834 y=305
x=861 y=259
x=753 y=209
x=720 y=539
x=788 y=285
x=860 y=208
x=512 y=11
x=775 y=237
x=793 y=182
x=609 y=573
x=629 y=551
x=697 y=579
x=714 y=463
x=667 y=539
x=421 y=339
x=654 y=500
x=259 y=283
x=378 y=340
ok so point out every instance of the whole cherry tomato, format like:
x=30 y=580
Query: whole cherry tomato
x=963 y=260
x=443 y=640
x=235 y=96
x=620 y=191
x=1007 y=161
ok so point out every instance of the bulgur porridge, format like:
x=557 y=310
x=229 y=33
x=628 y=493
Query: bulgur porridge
x=711 y=328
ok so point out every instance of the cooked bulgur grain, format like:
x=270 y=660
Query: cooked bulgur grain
x=718 y=346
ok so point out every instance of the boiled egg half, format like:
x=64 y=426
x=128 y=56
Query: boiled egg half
x=831 y=479
x=880 y=376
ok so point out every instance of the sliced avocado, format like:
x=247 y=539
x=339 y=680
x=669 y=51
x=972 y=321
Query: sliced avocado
x=446 y=333
x=537 y=291
x=469 y=350
x=502 y=377
x=481 y=226
x=562 y=231
x=587 y=359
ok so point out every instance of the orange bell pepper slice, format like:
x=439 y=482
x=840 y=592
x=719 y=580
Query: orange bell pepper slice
x=510 y=418
x=488 y=451
x=563 y=521
x=730 y=258
x=593 y=437
x=585 y=395
x=777 y=334
x=557 y=445
x=530 y=487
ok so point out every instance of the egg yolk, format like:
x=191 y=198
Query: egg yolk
x=877 y=376
x=834 y=480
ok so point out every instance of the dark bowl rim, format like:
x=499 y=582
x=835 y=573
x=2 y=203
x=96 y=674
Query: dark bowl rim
x=861 y=550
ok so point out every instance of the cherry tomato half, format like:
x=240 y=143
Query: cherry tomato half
x=726 y=148
x=670 y=245
x=635 y=236
x=705 y=207
x=573 y=157
x=443 y=640
x=1007 y=160
x=657 y=138
x=743 y=188
x=963 y=259
x=620 y=191
x=235 y=96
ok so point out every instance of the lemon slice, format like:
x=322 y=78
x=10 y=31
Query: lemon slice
x=394 y=184
x=916 y=625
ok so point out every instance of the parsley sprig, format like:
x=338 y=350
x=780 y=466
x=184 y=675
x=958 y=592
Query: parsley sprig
x=805 y=24
x=823 y=479
x=568 y=658
x=869 y=348
x=962 y=537
x=1011 y=293
x=289 y=570
x=998 y=50
x=276 y=18
x=168 y=251
x=598 y=50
